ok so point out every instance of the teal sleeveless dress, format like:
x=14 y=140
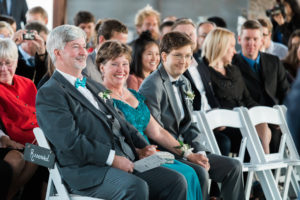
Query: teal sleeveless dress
x=139 y=117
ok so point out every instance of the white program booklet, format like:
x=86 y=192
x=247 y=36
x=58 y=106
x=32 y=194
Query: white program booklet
x=148 y=163
x=155 y=160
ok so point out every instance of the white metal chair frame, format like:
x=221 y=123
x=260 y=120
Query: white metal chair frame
x=261 y=164
x=56 y=190
x=287 y=153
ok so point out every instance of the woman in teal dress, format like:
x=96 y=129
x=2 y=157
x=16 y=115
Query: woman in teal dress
x=113 y=59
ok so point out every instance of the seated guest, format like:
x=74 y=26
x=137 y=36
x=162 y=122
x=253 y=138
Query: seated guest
x=9 y=20
x=202 y=31
x=292 y=60
x=17 y=113
x=113 y=58
x=264 y=74
x=86 y=21
x=165 y=27
x=6 y=30
x=169 y=98
x=110 y=29
x=32 y=51
x=147 y=19
x=17 y=97
x=198 y=76
x=145 y=60
x=268 y=46
x=294 y=38
x=37 y=13
x=88 y=135
x=227 y=81
x=219 y=21
x=293 y=108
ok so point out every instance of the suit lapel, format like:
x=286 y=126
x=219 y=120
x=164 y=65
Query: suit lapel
x=263 y=69
x=72 y=91
x=171 y=96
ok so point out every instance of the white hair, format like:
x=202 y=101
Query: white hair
x=60 y=36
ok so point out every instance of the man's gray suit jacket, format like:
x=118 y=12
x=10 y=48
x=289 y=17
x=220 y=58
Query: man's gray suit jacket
x=160 y=98
x=91 y=70
x=80 y=135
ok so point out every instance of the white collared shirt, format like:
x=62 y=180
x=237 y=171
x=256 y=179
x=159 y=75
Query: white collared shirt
x=177 y=96
x=26 y=56
x=90 y=97
x=199 y=84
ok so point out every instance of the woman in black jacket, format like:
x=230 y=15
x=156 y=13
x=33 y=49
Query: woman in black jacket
x=227 y=81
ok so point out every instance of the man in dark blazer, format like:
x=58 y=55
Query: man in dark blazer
x=32 y=61
x=15 y=8
x=264 y=74
x=110 y=29
x=169 y=98
x=95 y=147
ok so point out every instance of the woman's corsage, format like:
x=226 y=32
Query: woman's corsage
x=186 y=150
x=190 y=95
x=104 y=95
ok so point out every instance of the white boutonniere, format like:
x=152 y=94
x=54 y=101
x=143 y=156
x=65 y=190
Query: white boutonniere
x=189 y=95
x=104 y=95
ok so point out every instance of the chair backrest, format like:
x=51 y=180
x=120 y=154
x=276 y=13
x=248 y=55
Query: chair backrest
x=207 y=122
x=54 y=175
x=275 y=115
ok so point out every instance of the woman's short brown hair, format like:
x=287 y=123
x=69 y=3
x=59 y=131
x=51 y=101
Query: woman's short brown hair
x=174 y=40
x=112 y=49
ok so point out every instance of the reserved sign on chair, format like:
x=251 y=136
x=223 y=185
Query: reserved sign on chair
x=39 y=155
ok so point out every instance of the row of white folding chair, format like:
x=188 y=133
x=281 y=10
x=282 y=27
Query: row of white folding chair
x=287 y=151
x=261 y=163
x=56 y=190
x=207 y=122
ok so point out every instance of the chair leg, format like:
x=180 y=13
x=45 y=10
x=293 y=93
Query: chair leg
x=249 y=184
x=287 y=181
x=269 y=185
x=295 y=184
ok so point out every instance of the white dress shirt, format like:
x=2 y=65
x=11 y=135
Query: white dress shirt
x=90 y=97
x=177 y=96
x=199 y=84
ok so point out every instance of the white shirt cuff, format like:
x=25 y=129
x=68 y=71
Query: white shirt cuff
x=201 y=152
x=110 y=157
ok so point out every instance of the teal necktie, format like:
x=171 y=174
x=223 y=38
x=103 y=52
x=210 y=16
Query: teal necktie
x=81 y=83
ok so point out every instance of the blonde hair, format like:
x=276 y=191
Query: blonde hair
x=216 y=44
x=5 y=25
x=145 y=12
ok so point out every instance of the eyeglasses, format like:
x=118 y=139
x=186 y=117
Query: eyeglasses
x=179 y=57
x=7 y=63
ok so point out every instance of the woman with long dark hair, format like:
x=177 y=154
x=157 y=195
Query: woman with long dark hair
x=145 y=59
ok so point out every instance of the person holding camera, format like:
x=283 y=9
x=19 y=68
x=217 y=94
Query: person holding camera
x=287 y=16
x=32 y=51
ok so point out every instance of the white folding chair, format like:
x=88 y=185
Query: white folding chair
x=286 y=157
x=56 y=190
x=207 y=122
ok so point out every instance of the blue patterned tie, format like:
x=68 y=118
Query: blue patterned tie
x=81 y=83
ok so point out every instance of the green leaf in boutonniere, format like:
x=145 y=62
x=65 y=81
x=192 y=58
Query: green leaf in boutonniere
x=189 y=95
x=104 y=95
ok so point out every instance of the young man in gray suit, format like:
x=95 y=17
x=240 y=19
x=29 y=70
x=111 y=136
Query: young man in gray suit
x=95 y=147
x=169 y=98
